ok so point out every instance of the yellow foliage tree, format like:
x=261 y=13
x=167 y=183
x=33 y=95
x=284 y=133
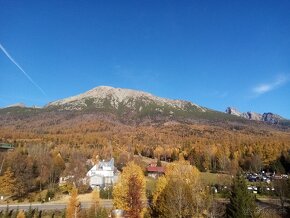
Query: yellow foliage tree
x=129 y=192
x=8 y=183
x=179 y=193
x=95 y=203
x=96 y=197
x=21 y=214
x=74 y=207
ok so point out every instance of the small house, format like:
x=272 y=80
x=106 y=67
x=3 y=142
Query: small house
x=155 y=171
x=102 y=174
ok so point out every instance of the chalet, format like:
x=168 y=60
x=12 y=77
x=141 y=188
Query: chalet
x=102 y=174
x=6 y=147
x=155 y=171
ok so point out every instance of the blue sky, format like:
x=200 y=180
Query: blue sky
x=213 y=53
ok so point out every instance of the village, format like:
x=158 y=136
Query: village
x=104 y=173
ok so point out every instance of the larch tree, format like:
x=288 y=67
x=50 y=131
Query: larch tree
x=74 y=207
x=21 y=214
x=129 y=192
x=95 y=203
x=158 y=202
x=179 y=193
x=58 y=165
x=8 y=183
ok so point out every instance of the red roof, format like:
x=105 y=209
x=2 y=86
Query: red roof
x=155 y=169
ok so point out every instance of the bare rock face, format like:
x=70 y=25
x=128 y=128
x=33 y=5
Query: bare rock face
x=253 y=116
x=246 y=115
x=233 y=111
x=271 y=118
x=266 y=117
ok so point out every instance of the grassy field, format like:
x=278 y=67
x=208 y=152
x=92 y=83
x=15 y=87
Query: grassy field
x=208 y=178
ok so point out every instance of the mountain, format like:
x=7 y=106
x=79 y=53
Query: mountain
x=17 y=105
x=116 y=98
x=111 y=121
x=265 y=117
x=132 y=107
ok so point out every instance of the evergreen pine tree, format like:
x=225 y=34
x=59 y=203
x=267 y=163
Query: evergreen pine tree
x=63 y=214
x=159 y=164
x=29 y=213
x=37 y=213
x=6 y=213
x=14 y=214
x=242 y=202
x=102 y=213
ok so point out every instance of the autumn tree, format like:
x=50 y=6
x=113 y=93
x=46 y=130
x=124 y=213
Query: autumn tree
x=95 y=203
x=7 y=213
x=58 y=166
x=8 y=183
x=43 y=163
x=158 y=198
x=179 y=193
x=74 y=207
x=23 y=168
x=76 y=170
x=21 y=214
x=96 y=197
x=282 y=190
x=129 y=192
x=242 y=202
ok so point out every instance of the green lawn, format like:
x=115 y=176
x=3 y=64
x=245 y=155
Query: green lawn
x=208 y=178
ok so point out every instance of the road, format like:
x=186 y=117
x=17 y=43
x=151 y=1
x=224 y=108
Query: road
x=52 y=206
x=262 y=203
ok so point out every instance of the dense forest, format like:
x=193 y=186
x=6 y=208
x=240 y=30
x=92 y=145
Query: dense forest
x=49 y=148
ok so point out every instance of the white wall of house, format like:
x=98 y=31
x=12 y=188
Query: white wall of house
x=102 y=174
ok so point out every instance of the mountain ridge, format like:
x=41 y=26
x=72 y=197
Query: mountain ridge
x=119 y=95
x=133 y=106
x=267 y=117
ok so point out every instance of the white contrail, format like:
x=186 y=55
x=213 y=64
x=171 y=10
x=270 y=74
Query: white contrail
x=20 y=68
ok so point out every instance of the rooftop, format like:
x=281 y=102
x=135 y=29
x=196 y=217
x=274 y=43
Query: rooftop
x=104 y=164
x=155 y=169
x=6 y=146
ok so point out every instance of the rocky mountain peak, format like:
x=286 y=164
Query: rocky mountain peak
x=265 y=117
x=271 y=118
x=114 y=97
x=233 y=111
x=119 y=94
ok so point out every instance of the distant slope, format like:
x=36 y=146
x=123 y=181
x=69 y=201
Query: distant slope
x=265 y=117
x=131 y=106
x=127 y=106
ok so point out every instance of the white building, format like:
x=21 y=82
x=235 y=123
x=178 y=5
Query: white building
x=102 y=174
